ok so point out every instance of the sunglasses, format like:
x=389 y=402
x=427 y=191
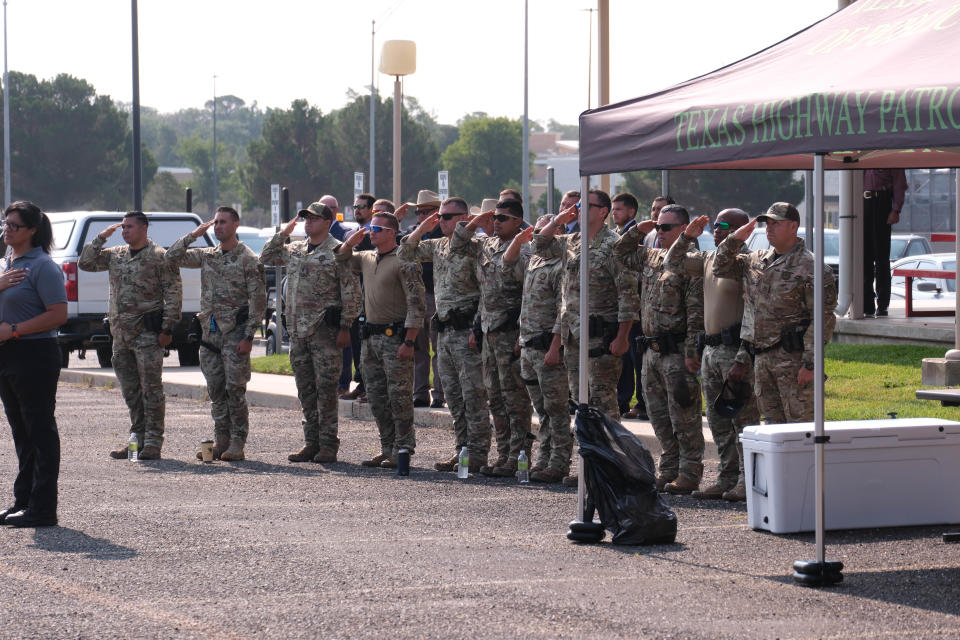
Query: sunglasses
x=667 y=226
x=375 y=228
x=311 y=216
x=502 y=217
x=424 y=212
x=14 y=226
x=451 y=216
x=361 y=207
x=722 y=226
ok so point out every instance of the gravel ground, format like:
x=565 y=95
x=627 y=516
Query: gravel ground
x=264 y=548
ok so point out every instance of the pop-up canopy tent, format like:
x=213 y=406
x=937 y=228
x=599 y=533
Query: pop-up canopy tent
x=875 y=85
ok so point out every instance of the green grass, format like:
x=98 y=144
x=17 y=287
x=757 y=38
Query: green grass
x=864 y=381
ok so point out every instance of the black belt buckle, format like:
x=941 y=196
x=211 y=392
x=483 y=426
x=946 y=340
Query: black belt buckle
x=388 y=332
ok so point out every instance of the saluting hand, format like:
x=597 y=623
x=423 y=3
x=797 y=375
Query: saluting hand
x=287 y=230
x=526 y=235
x=566 y=216
x=480 y=219
x=202 y=229
x=646 y=226
x=355 y=238
x=744 y=232
x=106 y=233
x=696 y=227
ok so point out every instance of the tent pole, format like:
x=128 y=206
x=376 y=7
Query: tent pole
x=818 y=572
x=584 y=361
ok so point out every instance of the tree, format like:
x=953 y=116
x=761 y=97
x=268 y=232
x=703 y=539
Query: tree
x=197 y=153
x=486 y=157
x=542 y=200
x=709 y=192
x=70 y=148
x=165 y=194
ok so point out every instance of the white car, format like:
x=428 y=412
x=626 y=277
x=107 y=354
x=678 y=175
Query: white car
x=944 y=289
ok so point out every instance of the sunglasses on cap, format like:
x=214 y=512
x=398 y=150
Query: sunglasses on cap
x=722 y=226
x=667 y=226
x=451 y=216
x=376 y=228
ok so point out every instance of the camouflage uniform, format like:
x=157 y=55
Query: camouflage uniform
x=140 y=284
x=458 y=294
x=500 y=299
x=232 y=285
x=671 y=312
x=613 y=298
x=723 y=304
x=317 y=287
x=778 y=295
x=388 y=379
x=539 y=321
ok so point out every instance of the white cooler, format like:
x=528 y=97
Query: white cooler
x=879 y=473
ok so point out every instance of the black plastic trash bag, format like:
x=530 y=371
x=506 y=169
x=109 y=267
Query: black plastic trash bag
x=620 y=477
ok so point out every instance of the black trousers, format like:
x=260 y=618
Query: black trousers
x=29 y=371
x=629 y=382
x=876 y=251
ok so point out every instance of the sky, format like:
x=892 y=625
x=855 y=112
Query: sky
x=469 y=54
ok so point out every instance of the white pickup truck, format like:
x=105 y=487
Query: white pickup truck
x=88 y=293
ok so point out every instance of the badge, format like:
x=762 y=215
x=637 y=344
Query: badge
x=388 y=332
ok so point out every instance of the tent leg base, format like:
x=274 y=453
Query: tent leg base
x=586 y=532
x=817 y=574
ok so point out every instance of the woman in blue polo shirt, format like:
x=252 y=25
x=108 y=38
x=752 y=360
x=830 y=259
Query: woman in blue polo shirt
x=33 y=303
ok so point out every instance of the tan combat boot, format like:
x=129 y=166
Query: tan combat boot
x=234 y=452
x=150 y=452
x=737 y=494
x=374 y=461
x=449 y=464
x=682 y=486
x=664 y=479
x=305 y=454
x=325 y=454
x=490 y=469
x=713 y=492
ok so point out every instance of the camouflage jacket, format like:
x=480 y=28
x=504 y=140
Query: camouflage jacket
x=454 y=273
x=498 y=295
x=386 y=275
x=672 y=301
x=139 y=284
x=229 y=281
x=613 y=293
x=542 y=305
x=316 y=283
x=778 y=292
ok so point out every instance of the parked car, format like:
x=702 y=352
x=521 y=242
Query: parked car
x=88 y=293
x=275 y=329
x=926 y=288
x=903 y=245
x=831 y=245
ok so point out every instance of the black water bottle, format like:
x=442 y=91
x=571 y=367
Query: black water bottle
x=403 y=462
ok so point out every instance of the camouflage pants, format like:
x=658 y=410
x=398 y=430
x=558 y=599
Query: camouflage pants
x=604 y=376
x=726 y=432
x=227 y=374
x=672 y=395
x=516 y=400
x=316 y=361
x=547 y=386
x=498 y=408
x=138 y=364
x=780 y=398
x=462 y=373
x=389 y=382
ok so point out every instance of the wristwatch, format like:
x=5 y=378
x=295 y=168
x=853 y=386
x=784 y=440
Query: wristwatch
x=408 y=343
x=13 y=330
x=249 y=338
x=808 y=366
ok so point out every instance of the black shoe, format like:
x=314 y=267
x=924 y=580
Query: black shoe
x=420 y=402
x=9 y=512
x=882 y=313
x=27 y=519
x=437 y=404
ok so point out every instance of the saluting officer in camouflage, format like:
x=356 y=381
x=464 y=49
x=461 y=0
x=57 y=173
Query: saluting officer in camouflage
x=322 y=301
x=778 y=309
x=671 y=316
x=613 y=295
x=145 y=297
x=394 y=306
x=541 y=361
x=723 y=315
x=458 y=297
x=232 y=302
x=500 y=300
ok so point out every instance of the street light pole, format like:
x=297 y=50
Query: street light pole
x=213 y=204
x=526 y=121
x=373 y=109
x=6 y=116
x=137 y=160
x=398 y=58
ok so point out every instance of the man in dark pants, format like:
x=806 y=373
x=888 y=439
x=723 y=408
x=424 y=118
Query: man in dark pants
x=624 y=214
x=362 y=213
x=883 y=194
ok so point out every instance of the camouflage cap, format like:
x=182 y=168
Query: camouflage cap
x=317 y=209
x=781 y=211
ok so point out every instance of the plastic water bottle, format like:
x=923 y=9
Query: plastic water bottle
x=133 y=448
x=463 y=466
x=523 y=467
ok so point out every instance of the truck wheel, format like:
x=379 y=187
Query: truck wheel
x=189 y=355
x=104 y=354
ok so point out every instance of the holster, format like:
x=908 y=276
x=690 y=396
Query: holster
x=665 y=344
x=331 y=316
x=153 y=321
x=605 y=329
x=791 y=337
x=541 y=341
x=477 y=330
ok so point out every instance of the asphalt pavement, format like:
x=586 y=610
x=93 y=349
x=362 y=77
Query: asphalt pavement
x=264 y=548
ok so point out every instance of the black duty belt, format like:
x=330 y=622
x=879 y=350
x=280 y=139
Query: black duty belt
x=665 y=344
x=728 y=336
x=541 y=341
x=754 y=351
x=875 y=194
